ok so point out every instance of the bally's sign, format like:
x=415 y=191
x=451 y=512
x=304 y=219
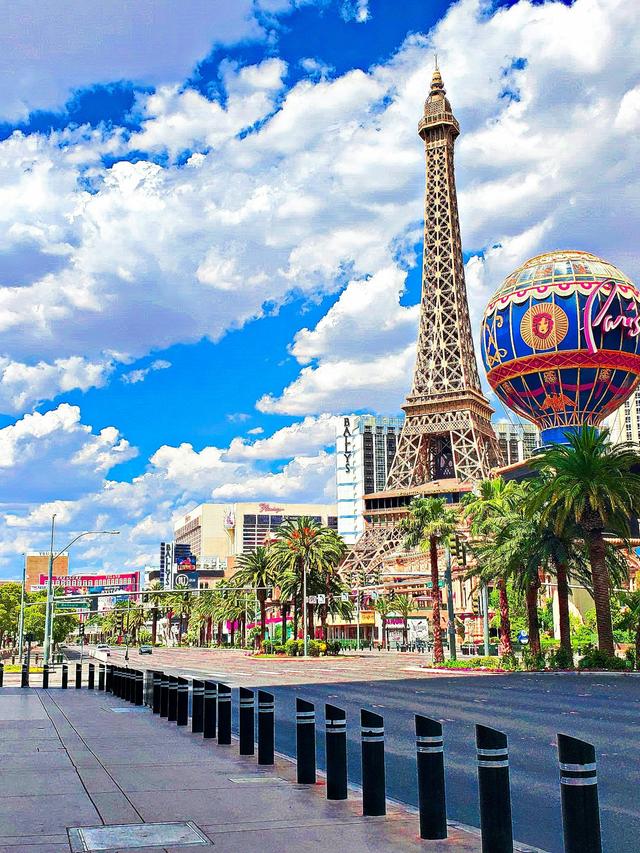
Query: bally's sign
x=348 y=451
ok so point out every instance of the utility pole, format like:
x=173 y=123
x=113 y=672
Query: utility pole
x=358 y=619
x=48 y=621
x=21 y=620
x=485 y=617
x=304 y=605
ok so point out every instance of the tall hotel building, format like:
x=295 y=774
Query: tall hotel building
x=365 y=447
x=517 y=441
x=624 y=423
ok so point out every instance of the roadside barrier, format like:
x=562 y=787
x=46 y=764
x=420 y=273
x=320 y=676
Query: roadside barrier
x=431 y=790
x=246 y=725
x=182 y=714
x=266 y=727
x=157 y=689
x=495 y=795
x=305 y=742
x=197 y=706
x=211 y=713
x=579 y=795
x=172 y=710
x=209 y=710
x=224 y=714
x=164 y=695
x=139 y=687
x=1 y=673
x=336 y=752
x=373 y=775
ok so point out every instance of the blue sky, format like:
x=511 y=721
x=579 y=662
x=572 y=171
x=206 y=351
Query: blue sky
x=211 y=221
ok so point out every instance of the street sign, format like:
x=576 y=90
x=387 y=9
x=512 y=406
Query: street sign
x=322 y=599
x=69 y=604
x=312 y=599
x=344 y=596
x=523 y=637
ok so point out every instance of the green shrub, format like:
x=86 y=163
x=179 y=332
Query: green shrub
x=630 y=657
x=334 y=647
x=291 y=647
x=595 y=659
x=531 y=661
x=314 y=648
x=488 y=661
x=279 y=649
x=561 y=659
x=509 y=663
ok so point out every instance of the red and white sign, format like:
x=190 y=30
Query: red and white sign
x=128 y=582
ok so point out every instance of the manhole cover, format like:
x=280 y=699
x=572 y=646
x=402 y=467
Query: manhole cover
x=256 y=780
x=130 y=836
x=130 y=710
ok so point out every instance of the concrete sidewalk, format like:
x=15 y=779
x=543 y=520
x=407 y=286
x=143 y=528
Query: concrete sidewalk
x=81 y=759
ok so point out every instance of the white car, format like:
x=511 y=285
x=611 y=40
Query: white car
x=103 y=647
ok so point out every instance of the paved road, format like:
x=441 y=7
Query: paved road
x=530 y=708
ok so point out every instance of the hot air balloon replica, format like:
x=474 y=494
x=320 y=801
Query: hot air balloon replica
x=561 y=341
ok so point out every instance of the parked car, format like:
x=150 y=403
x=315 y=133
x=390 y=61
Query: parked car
x=145 y=650
x=103 y=647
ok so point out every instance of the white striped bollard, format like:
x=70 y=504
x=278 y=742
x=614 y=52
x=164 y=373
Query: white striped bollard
x=91 y=683
x=305 y=742
x=336 y=752
x=495 y=795
x=45 y=676
x=78 y=676
x=182 y=712
x=431 y=789
x=164 y=694
x=266 y=727
x=101 y=675
x=224 y=714
x=246 y=725
x=210 y=710
x=138 y=686
x=373 y=772
x=197 y=702
x=157 y=691
x=579 y=794
x=172 y=712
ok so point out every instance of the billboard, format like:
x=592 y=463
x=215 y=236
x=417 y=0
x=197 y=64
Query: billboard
x=83 y=584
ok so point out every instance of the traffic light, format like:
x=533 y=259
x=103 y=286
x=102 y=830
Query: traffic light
x=81 y=630
x=475 y=605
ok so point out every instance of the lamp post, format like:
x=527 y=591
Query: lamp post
x=48 y=621
x=21 y=620
x=304 y=605
x=451 y=627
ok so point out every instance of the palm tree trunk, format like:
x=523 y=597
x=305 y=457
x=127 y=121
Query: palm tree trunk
x=601 y=591
x=295 y=616
x=384 y=632
x=405 y=631
x=563 y=606
x=532 y=616
x=438 y=651
x=263 y=617
x=505 y=624
x=154 y=625
x=283 y=629
x=638 y=645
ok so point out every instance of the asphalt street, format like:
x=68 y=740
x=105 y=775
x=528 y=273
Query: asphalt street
x=531 y=709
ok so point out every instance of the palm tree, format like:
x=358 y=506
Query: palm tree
x=182 y=604
x=384 y=607
x=589 y=482
x=631 y=618
x=206 y=610
x=430 y=521
x=155 y=599
x=488 y=510
x=304 y=548
x=256 y=570
x=403 y=605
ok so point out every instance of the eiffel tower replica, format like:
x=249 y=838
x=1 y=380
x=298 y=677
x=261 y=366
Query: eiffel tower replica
x=447 y=442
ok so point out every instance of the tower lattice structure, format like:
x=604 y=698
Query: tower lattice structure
x=447 y=441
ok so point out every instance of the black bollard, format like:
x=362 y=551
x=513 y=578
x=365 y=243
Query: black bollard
x=373 y=775
x=197 y=706
x=24 y=676
x=209 y=712
x=579 y=795
x=116 y=681
x=45 y=676
x=1 y=673
x=172 y=710
x=128 y=685
x=495 y=795
x=157 y=692
x=164 y=695
x=266 y=726
x=336 y=752
x=431 y=791
x=65 y=676
x=108 y=680
x=101 y=674
x=139 y=687
x=182 y=715
x=224 y=714
x=92 y=677
x=78 y=676
x=306 y=742
x=246 y=724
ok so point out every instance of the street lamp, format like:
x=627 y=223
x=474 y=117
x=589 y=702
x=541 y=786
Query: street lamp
x=48 y=621
x=21 y=621
x=304 y=605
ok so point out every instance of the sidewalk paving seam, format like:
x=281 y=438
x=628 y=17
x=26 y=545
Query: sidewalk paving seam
x=88 y=748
